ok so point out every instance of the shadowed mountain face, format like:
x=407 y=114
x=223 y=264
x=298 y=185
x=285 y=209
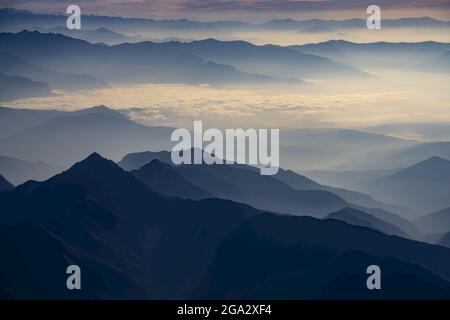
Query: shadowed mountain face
x=162 y=178
x=424 y=186
x=128 y=240
x=359 y=218
x=15 y=87
x=310 y=259
x=435 y=222
x=5 y=185
x=131 y=242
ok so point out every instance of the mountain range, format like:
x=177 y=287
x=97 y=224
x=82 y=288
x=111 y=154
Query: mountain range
x=359 y=218
x=17 y=87
x=142 y=62
x=12 y=65
x=435 y=222
x=420 y=56
x=62 y=138
x=131 y=242
x=285 y=192
x=13 y=19
x=423 y=186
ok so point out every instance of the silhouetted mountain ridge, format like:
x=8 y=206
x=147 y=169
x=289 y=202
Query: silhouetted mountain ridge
x=134 y=243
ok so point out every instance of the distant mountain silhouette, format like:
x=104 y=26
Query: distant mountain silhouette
x=16 y=120
x=269 y=60
x=296 y=181
x=422 y=56
x=408 y=156
x=435 y=222
x=360 y=218
x=125 y=63
x=300 y=182
x=100 y=35
x=335 y=149
x=162 y=178
x=15 y=87
x=313 y=259
x=18 y=171
x=244 y=184
x=445 y=240
x=5 y=185
x=13 y=19
x=64 y=139
x=134 y=243
x=11 y=65
x=347 y=179
x=396 y=219
x=428 y=131
x=424 y=186
x=136 y=160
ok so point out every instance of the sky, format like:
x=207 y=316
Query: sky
x=251 y=10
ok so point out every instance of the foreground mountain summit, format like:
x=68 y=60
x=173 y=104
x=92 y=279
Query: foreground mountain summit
x=132 y=242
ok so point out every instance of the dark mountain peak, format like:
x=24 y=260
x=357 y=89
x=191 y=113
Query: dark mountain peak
x=5 y=185
x=94 y=167
x=208 y=40
x=101 y=109
x=433 y=163
x=165 y=179
x=137 y=160
x=436 y=160
x=431 y=167
x=28 y=32
x=95 y=157
x=103 y=29
x=155 y=163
